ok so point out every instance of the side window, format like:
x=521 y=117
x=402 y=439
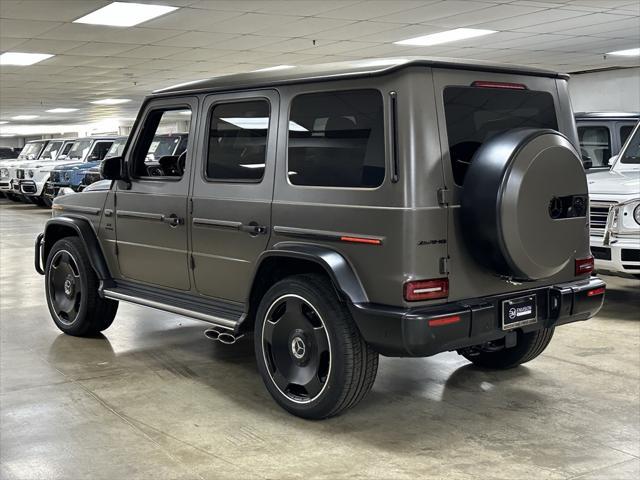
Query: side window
x=237 y=144
x=596 y=141
x=154 y=157
x=625 y=131
x=99 y=151
x=336 y=139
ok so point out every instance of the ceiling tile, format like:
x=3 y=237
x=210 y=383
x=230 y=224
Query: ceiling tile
x=25 y=28
x=536 y=18
x=57 y=10
x=433 y=11
x=48 y=46
x=153 y=51
x=188 y=19
x=247 y=42
x=365 y=10
x=253 y=22
x=354 y=31
x=100 y=33
x=306 y=26
x=302 y=8
x=484 y=15
x=196 y=39
x=576 y=22
x=100 y=49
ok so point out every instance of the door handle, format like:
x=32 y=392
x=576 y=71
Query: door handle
x=253 y=229
x=173 y=220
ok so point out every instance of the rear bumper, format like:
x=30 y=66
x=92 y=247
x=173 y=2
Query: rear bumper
x=398 y=332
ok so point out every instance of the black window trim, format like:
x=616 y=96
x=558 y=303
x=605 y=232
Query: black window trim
x=205 y=156
x=386 y=125
x=134 y=146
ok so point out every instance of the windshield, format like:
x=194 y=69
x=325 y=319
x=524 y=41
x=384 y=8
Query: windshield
x=79 y=150
x=65 y=150
x=31 y=150
x=162 y=146
x=631 y=154
x=50 y=152
x=116 y=148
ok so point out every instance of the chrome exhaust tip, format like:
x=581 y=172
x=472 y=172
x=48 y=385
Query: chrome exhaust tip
x=222 y=336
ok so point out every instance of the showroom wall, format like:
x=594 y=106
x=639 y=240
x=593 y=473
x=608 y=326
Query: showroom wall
x=613 y=90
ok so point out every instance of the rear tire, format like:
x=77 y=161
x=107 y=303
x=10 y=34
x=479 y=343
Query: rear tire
x=312 y=358
x=72 y=291
x=529 y=346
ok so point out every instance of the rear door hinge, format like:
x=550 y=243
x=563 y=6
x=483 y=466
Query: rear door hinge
x=117 y=249
x=193 y=262
x=191 y=206
x=444 y=265
x=444 y=196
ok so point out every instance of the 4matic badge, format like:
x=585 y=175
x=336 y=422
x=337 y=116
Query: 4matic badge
x=432 y=242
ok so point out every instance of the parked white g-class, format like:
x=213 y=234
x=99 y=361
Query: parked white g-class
x=615 y=211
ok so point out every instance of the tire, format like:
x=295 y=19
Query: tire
x=529 y=346
x=46 y=201
x=313 y=337
x=13 y=197
x=72 y=291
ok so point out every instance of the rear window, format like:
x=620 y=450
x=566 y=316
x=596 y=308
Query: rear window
x=632 y=153
x=595 y=141
x=336 y=139
x=474 y=115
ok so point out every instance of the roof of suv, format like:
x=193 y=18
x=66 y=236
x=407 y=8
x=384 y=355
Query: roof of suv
x=342 y=70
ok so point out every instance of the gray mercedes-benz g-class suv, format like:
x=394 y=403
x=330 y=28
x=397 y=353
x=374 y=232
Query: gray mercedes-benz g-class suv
x=338 y=212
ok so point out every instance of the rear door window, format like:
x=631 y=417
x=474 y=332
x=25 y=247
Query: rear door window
x=336 y=139
x=475 y=115
x=595 y=141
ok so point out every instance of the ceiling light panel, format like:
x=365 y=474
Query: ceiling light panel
x=121 y=14
x=22 y=59
x=445 y=37
x=111 y=101
x=62 y=110
x=24 y=117
x=631 y=52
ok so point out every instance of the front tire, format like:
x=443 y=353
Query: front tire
x=312 y=358
x=528 y=347
x=72 y=291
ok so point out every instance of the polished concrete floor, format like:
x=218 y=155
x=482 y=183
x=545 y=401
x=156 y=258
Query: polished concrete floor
x=154 y=399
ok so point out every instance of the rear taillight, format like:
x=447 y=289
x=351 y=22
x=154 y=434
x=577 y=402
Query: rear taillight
x=584 y=265
x=426 y=289
x=507 y=85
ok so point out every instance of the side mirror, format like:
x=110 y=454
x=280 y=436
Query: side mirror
x=112 y=168
x=612 y=160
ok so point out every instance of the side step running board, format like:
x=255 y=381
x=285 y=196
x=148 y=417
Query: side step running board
x=222 y=315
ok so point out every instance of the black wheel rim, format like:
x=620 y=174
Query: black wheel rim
x=296 y=348
x=65 y=289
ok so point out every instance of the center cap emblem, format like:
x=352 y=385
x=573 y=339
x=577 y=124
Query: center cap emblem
x=298 y=348
x=512 y=313
x=67 y=286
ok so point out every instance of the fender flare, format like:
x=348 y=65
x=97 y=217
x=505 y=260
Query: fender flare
x=334 y=263
x=87 y=235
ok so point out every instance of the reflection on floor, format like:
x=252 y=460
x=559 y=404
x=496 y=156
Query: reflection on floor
x=154 y=399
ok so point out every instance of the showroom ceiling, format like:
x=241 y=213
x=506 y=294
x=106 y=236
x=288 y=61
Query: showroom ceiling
x=207 y=38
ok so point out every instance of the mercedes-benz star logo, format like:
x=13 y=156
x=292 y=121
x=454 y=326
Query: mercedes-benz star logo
x=512 y=313
x=298 y=347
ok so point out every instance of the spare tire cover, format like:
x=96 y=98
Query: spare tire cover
x=524 y=204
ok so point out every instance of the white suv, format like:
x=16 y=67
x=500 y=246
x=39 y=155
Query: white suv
x=615 y=211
